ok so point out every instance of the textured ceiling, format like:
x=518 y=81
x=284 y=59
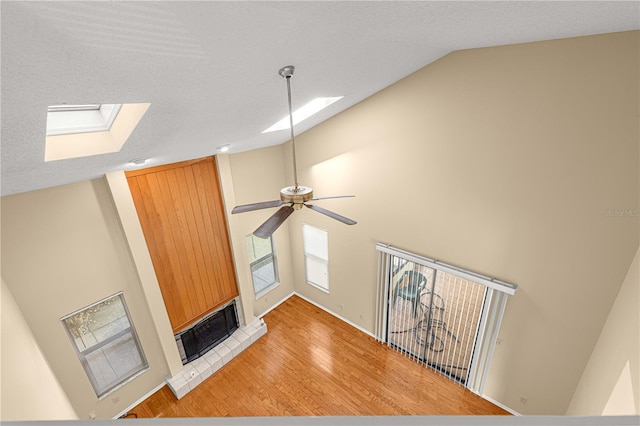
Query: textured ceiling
x=209 y=69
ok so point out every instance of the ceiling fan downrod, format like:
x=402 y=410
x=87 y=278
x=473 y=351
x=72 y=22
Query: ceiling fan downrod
x=287 y=72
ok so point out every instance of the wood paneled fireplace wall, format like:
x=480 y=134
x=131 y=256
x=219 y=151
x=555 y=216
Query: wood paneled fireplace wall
x=183 y=220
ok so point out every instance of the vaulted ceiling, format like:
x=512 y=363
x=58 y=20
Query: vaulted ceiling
x=209 y=69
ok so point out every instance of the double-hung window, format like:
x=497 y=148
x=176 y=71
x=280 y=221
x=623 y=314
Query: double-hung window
x=106 y=343
x=262 y=260
x=316 y=256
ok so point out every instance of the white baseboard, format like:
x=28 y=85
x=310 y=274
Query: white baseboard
x=504 y=407
x=275 y=305
x=147 y=395
x=340 y=317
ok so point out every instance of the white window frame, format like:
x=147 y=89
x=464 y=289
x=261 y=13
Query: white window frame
x=73 y=119
x=84 y=354
x=260 y=293
x=316 y=256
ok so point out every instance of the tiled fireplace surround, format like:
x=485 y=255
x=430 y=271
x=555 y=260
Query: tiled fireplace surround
x=197 y=371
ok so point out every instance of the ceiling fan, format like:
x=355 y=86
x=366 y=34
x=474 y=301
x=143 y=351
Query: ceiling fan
x=295 y=196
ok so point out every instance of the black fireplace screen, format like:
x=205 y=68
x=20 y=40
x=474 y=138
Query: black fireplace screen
x=207 y=333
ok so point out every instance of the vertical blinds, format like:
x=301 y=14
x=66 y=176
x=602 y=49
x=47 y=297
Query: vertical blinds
x=441 y=315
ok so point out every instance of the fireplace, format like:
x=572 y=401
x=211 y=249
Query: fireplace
x=211 y=343
x=208 y=332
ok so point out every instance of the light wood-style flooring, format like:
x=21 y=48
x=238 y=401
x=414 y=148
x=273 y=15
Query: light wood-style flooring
x=312 y=364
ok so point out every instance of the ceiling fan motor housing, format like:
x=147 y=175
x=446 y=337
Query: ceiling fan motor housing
x=296 y=195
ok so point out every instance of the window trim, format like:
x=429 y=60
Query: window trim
x=82 y=354
x=73 y=119
x=272 y=254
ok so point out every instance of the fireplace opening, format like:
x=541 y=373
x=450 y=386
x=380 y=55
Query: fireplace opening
x=207 y=333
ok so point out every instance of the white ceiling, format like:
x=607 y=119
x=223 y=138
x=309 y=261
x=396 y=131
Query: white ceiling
x=210 y=69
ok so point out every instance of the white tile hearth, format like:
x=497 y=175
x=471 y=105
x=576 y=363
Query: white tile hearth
x=199 y=370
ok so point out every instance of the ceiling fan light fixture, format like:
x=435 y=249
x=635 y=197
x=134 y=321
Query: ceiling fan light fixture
x=304 y=112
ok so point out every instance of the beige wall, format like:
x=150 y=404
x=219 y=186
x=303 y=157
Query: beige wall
x=63 y=249
x=610 y=384
x=254 y=176
x=29 y=389
x=508 y=161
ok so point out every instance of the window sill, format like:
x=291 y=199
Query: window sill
x=325 y=290
x=267 y=290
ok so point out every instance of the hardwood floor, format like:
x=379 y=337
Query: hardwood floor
x=312 y=364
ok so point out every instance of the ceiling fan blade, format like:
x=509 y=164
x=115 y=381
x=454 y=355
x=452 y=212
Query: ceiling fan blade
x=331 y=214
x=266 y=229
x=335 y=196
x=256 y=206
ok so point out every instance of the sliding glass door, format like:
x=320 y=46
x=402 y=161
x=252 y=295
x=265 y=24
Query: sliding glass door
x=434 y=316
x=443 y=316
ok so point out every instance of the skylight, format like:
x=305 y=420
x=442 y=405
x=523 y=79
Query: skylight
x=81 y=130
x=71 y=119
x=303 y=112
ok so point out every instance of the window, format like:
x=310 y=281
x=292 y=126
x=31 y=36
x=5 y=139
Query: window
x=264 y=270
x=74 y=131
x=316 y=256
x=106 y=343
x=69 y=119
